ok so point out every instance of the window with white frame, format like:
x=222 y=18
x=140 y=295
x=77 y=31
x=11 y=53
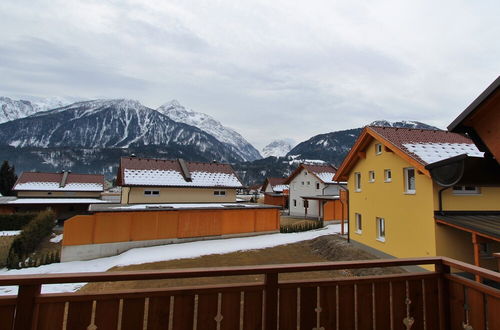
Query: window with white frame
x=359 y=223
x=151 y=193
x=371 y=176
x=380 y=223
x=409 y=174
x=378 y=149
x=357 y=181
x=219 y=193
x=387 y=176
x=466 y=190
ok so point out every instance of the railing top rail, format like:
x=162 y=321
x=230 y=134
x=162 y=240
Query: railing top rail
x=482 y=272
x=37 y=279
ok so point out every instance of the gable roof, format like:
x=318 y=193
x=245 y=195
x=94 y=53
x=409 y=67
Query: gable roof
x=64 y=181
x=419 y=147
x=324 y=173
x=277 y=184
x=175 y=173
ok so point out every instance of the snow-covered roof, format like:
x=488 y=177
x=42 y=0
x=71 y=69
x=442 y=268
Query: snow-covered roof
x=64 y=181
x=326 y=177
x=176 y=173
x=170 y=206
x=324 y=173
x=19 y=201
x=434 y=152
x=280 y=187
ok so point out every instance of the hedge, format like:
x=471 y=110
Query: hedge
x=15 y=221
x=31 y=236
x=301 y=227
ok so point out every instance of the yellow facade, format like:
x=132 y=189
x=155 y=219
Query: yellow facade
x=136 y=195
x=410 y=228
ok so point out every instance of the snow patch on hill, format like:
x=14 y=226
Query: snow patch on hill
x=278 y=148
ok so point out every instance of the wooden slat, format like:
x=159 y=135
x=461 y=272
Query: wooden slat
x=132 y=314
x=106 y=313
x=364 y=300
x=231 y=302
x=346 y=307
x=252 y=315
x=456 y=292
x=7 y=316
x=26 y=306
x=207 y=311
x=183 y=312
x=417 y=304
x=398 y=303
x=328 y=301
x=79 y=315
x=50 y=316
x=288 y=309
x=158 y=313
x=382 y=306
x=431 y=304
x=308 y=303
x=475 y=301
x=493 y=312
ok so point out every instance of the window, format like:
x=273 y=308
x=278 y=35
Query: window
x=485 y=250
x=150 y=193
x=308 y=183
x=387 y=176
x=466 y=190
x=380 y=223
x=302 y=182
x=371 y=176
x=317 y=185
x=305 y=172
x=378 y=149
x=359 y=224
x=294 y=202
x=357 y=181
x=219 y=193
x=409 y=180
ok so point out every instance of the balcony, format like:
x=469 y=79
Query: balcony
x=428 y=300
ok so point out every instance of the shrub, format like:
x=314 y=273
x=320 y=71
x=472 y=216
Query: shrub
x=301 y=227
x=31 y=236
x=15 y=221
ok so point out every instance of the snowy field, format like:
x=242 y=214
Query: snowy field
x=10 y=232
x=163 y=253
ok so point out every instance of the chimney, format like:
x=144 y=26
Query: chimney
x=184 y=169
x=64 y=179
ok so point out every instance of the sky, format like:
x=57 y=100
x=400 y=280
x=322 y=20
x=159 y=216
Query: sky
x=269 y=69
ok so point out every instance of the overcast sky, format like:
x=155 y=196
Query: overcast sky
x=269 y=69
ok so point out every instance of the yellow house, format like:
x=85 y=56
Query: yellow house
x=395 y=204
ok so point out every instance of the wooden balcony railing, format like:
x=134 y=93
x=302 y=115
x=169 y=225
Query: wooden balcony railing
x=425 y=300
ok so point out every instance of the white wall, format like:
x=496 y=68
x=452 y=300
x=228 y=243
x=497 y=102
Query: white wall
x=298 y=189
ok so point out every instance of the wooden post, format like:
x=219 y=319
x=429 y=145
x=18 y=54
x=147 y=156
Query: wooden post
x=475 y=243
x=319 y=209
x=25 y=307
x=443 y=296
x=271 y=302
x=497 y=256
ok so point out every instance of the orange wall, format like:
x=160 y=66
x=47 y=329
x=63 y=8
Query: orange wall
x=111 y=227
x=332 y=210
x=275 y=200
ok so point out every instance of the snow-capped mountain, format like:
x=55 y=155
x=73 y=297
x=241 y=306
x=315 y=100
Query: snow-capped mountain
x=14 y=109
x=114 y=124
x=233 y=139
x=278 y=148
x=402 y=124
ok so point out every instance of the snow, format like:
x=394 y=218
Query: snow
x=10 y=232
x=55 y=186
x=163 y=253
x=434 y=152
x=182 y=206
x=280 y=187
x=326 y=177
x=278 y=148
x=175 y=178
x=29 y=105
x=49 y=200
x=56 y=239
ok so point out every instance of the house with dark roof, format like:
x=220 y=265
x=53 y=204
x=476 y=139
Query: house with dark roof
x=395 y=200
x=314 y=194
x=276 y=192
x=151 y=181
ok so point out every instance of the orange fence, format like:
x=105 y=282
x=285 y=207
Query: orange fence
x=276 y=200
x=332 y=210
x=111 y=227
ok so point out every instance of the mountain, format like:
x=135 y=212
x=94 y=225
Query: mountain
x=175 y=111
x=278 y=148
x=94 y=134
x=333 y=147
x=15 y=109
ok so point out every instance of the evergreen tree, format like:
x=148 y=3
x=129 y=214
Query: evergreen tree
x=8 y=178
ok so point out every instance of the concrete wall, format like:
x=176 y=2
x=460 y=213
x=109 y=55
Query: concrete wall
x=135 y=195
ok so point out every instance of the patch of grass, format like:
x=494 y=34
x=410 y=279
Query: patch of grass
x=5 y=243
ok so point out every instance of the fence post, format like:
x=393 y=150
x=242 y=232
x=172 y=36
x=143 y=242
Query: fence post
x=443 y=296
x=25 y=306
x=271 y=302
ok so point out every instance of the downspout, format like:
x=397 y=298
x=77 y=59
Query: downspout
x=348 y=211
x=440 y=199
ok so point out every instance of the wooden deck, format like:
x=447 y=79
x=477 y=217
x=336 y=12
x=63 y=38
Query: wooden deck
x=426 y=300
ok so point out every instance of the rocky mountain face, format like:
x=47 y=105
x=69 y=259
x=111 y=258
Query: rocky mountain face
x=278 y=148
x=11 y=109
x=230 y=137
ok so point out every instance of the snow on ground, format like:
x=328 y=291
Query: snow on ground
x=10 y=233
x=56 y=239
x=163 y=253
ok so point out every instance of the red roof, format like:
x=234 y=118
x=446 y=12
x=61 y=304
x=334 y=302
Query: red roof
x=56 y=178
x=316 y=170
